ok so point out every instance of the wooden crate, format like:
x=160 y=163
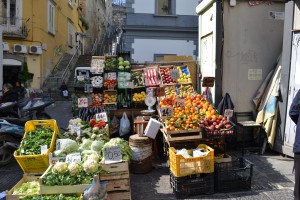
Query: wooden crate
x=60 y=189
x=164 y=67
x=26 y=178
x=182 y=135
x=118 y=181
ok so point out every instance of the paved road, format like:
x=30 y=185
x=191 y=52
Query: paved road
x=272 y=173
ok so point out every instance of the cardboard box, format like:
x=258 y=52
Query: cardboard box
x=152 y=128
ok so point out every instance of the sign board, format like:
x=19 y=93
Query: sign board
x=44 y=149
x=175 y=74
x=167 y=111
x=228 y=113
x=88 y=88
x=97 y=65
x=112 y=76
x=112 y=155
x=83 y=102
x=76 y=129
x=180 y=102
x=102 y=116
x=208 y=81
x=73 y=157
x=159 y=92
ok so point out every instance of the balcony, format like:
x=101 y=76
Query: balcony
x=14 y=28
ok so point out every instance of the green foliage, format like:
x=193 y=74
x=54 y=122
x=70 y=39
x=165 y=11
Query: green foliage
x=26 y=75
x=85 y=24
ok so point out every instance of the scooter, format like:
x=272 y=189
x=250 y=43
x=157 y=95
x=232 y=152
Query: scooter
x=34 y=109
x=11 y=134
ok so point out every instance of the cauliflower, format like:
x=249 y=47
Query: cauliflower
x=91 y=166
x=60 y=167
x=59 y=153
x=74 y=168
x=94 y=157
x=97 y=145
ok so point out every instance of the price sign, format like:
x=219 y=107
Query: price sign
x=180 y=102
x=112 y=155
x=208 y=81
x=76 y=129
x=88 y=88
x=112 y=76
x=228 y=113
x=44 y=149
x=167 y=111
x=54 y=160
x=73 y=157
x=102 y=116
x=58 y=144
x=174 y=74
x=83 y=102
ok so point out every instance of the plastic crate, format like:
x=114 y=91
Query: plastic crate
x=192 y=185
x=233 y=176
x=181 y=166
x=37 y=163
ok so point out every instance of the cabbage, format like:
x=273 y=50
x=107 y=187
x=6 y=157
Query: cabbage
x=60 y=167
x=74 y=168
x=86 y=145
x=67 y=145
x=59 y=153
x=85 y=153
x=91 y=166
x=97 y=146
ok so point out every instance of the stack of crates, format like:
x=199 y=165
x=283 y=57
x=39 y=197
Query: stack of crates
x=192 y=176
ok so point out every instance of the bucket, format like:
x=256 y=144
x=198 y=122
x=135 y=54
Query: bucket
x=141 y=150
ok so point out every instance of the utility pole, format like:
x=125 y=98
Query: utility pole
x=1 y=59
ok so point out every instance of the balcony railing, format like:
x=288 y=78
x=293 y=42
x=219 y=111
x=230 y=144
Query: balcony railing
x=14 y=27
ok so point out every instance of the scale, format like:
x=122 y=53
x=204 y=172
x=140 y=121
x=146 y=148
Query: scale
x=150 y=101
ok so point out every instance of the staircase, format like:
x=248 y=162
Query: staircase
x=53 y=82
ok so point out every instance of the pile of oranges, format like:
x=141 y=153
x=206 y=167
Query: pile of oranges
x=188 y=116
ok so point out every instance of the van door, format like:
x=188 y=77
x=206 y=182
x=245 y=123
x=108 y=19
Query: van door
x=290 y=129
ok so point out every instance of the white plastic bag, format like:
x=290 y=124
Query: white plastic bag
x=65 y=93
x=124 y=125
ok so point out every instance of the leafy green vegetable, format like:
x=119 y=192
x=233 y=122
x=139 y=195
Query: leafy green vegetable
x=31 y=187
x=124 y=147
x=31 y=144
x=52 y=197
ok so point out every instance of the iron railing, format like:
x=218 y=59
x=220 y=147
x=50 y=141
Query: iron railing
x=66 y=74
x=93 y=51
x=14 y=27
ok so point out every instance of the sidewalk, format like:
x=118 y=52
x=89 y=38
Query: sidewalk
x=272 y=173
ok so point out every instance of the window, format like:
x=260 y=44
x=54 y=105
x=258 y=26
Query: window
x=51 y=17
x=8 y=12
x=165 y=7
x=70 y=33
x=70 y=2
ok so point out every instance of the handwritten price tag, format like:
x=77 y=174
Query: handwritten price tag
x=228 y=113
x=73 y=157
x=112 y=155
x=174 y=74
x=112 y=76
x=44 y=149
x=167 y=112
x=180 y=103
x=102 y=116
x=83 y=102
x=76 y=129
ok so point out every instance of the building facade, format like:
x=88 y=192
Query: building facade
x=155 y=28
x=38 y=33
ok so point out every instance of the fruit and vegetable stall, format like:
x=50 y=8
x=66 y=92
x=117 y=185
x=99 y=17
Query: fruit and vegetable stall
x=120 y=113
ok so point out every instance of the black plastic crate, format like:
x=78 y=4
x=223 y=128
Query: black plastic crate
x=192 y=185
x=233 y=176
